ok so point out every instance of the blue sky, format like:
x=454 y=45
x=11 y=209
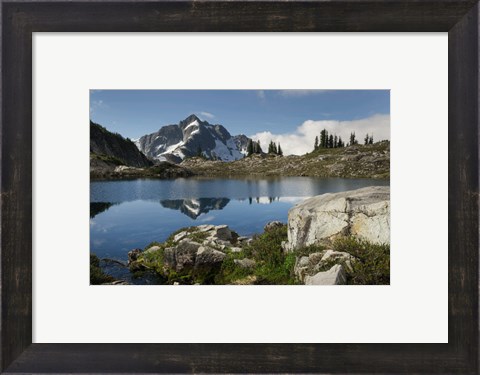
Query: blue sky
x=263 y=114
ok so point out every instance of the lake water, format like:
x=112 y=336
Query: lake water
x=127 y=214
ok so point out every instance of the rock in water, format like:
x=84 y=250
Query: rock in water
x=364 y=213
x=334 y=276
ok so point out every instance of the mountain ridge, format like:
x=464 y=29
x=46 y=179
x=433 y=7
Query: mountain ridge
x=192 y=137
x=111 y=148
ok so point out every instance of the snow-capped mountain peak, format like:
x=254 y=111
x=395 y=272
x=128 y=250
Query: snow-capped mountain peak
x=189 y=137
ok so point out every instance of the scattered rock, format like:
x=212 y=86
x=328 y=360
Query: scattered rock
x=331 y=255
x=222 y=232
x=208 y=256
x=180 y=236
x=152 y=249
x=306 y=265
x=272 y=225
x=205 y=228
x=208 y=263
x=133 y=255
x=116 y=282
x=248 y=280
x=245 y=263
x=185 y=253
x=236 y=249
x=169 y=257
x=334 y=276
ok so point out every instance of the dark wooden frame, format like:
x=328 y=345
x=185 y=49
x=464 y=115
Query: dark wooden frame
x=20 y=18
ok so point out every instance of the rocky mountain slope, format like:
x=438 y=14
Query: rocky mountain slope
x=358 y=161
x=175 y=142
x=109 y=149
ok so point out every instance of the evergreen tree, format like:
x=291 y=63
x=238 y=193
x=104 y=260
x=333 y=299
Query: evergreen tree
x=270 y=147
x=353 y=141
x=323 y=138
x=249 y=147
x=340 y=142
x=275 y=150
x=258 y=148
x=330 y=141
x=370 y=141
x=315 y=145
x=367 y=138
x=279 y=151
x=335 y=141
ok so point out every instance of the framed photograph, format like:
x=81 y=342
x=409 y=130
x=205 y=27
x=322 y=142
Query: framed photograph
x=185 y=189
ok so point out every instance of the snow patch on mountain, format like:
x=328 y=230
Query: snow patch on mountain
x=194 y=123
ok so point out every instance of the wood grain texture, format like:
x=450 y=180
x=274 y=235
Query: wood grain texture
x=463 y=181
x=255 y=16
x=21 y=18
x=16 y=192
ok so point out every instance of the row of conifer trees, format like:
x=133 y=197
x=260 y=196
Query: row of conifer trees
x=253 y=147
x=332 y=141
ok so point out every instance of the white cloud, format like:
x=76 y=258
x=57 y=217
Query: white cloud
x=302 y=139
x=299 y=93
x=207 y=115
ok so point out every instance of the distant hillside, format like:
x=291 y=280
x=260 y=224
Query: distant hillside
x=358 y=161
x=191 y=137
x=109 y=150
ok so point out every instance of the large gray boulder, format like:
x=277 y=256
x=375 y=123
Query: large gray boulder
x=363 y=213
x=182 y=256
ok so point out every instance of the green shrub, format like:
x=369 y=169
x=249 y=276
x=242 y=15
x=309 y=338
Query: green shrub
x=97 y=276
x=371 y=264
x=267 y=246
x=230 y=272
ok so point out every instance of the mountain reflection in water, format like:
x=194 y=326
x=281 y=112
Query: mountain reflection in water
x=193 y=208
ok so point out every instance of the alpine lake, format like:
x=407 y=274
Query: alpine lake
x=128 y=214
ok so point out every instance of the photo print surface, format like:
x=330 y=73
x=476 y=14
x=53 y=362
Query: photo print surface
x=239 y=187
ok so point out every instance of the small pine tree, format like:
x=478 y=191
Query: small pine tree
x=250 y=148
x=323 y=138
x=315 y=145
x=258 y=148
x=279 y=150
x=340 y=142
x=370 y=141
x=353 y=141
x=275 y=150
x=335 y=141
x=366 y=139
x=330 y=141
